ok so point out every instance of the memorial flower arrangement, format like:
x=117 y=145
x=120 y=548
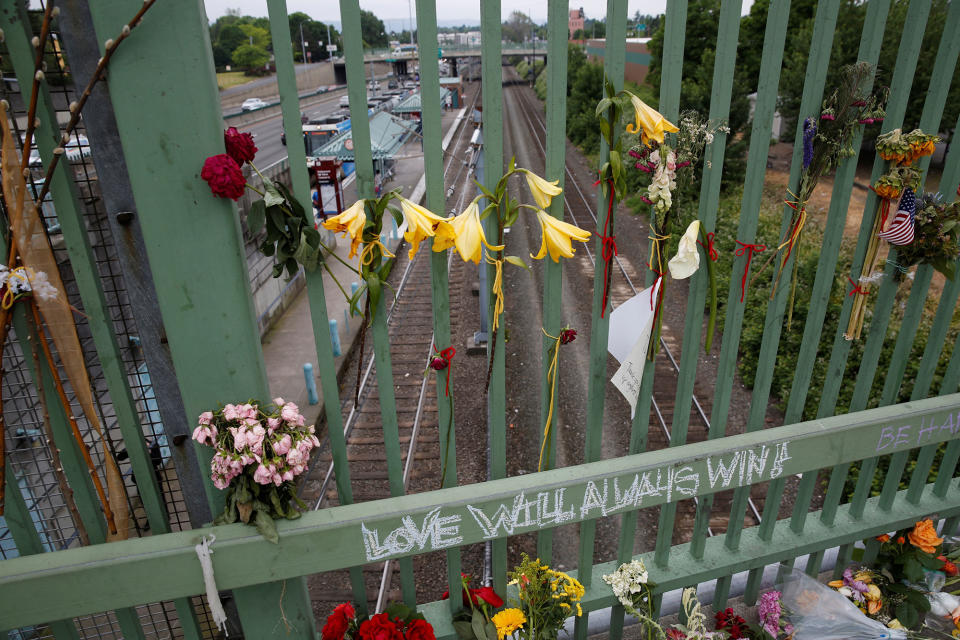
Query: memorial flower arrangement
x=826 y=141
x=260 y=451
x=545 y=599
x=291 y=236
x=397 y=622
x=900 y=182
x=632 y=586
x=936 y=239
x=667 y=162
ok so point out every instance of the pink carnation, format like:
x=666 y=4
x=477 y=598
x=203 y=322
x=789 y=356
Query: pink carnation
x=295 y=457
x=255 y=439
x=205 y=417
x=230 y=412
x=289 y=412
x=288 y=475
x=272 y=424
x=220 y=482
x=205 y=435
x=278 y=401
x=282 y=446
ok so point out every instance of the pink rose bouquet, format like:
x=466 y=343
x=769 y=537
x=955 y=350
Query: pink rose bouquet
x=260 y=451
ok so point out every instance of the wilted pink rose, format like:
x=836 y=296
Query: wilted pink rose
x=278 y=401
x=220 y=482
x=239 y=437
x=282 y=446
x=288 y=475
x=230 y=412
x=247 y=411
x=295 y=457
x=301 y=421
x=289 y=412
x=203 y=435
x=206 y=417
x=272 y=424
x=277 y=479
x=263 y=475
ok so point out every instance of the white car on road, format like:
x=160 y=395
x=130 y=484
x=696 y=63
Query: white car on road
x=252 y=104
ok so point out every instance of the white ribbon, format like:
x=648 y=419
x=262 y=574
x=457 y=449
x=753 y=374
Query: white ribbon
x=213 y=597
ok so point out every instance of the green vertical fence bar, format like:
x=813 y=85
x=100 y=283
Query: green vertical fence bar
x=614 y=59
x=813 y=89
x=871 y=41
x=767 y=89
x=908 y=52
x=728 y=32
x=316 y=295
x=943 y=67
x=491 y=76
x=210 y=324
x=25 y=536
x=363 y=158
x=436 y=202
x=555 y=170
x=669 y=107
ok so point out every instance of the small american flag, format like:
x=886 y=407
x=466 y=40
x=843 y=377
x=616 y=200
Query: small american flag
x=900 y=231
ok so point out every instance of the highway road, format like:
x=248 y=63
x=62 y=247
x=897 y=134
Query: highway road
x=266 y=132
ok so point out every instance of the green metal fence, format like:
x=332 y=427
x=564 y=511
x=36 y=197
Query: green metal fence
x=214 y=344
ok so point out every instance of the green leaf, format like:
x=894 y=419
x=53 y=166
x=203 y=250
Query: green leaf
x=912 y=570
x=257 y=216
x=275 y=501
x=268 y=248
x=517 y=261
x=603 y=105
x=306 y=255
x=375 y=289
x=271 y=196
x=277 y=270
x=918 y=600
x=605 y=129
x=464 y=629
x=907 y=615
x=267 y=527
x=292 y=268
x=484 y=191
x=513 y=164
x=477 y=623
x=491 y=631
x=279 y=221
x=313 y=236
x=616 y=164
x=295 y=205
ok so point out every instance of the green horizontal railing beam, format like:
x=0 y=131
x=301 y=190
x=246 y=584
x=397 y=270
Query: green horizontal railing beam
x=336 y=538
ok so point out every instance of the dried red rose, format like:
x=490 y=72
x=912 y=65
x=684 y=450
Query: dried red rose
x=224 y=176
x=567 y=336
x=439 y=364
x=240 y=146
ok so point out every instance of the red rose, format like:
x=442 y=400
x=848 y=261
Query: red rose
x=676 y=634
x=240 y=146
x=420 y=630
x=488 y=595
x=948 y=568
x=224 y=176
x=338 y=622
x=379 y=627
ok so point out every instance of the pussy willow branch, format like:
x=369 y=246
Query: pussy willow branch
x=110 y=48
x=35 y=87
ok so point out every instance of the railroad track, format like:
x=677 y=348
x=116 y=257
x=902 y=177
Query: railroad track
x=626 y=284
x=410 y=315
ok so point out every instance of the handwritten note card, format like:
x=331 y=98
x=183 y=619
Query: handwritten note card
x=630 y=326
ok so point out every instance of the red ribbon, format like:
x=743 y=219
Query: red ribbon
x=659 y=277
x=446 y=355
x=750 y=250
x=710 y=248
x=857 y=288
x=884 y=208
x=609 y=245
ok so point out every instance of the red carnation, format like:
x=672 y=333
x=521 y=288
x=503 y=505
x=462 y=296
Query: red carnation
x=338 y=622
x=488 y=595
x=224 y=176
x=420 y=630
x=567 y=336
x=240 y=146
x=379 y=627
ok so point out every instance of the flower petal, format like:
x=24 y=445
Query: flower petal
x=687 y=261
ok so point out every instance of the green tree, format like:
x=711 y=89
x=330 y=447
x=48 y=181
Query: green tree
x=251 y=57
x=518 y=27
x=314 y=34
x=372 y=29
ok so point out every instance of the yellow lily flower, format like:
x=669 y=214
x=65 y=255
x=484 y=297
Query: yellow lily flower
x=557 y=237
x=467 y=234
x=421 y=223
x=542 y=190
x=649 y=122
x=350 y=221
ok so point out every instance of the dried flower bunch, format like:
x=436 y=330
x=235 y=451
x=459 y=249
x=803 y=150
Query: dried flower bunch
x=260 y=451
x=936 y=239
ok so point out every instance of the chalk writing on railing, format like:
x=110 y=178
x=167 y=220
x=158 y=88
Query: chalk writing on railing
x=911 y=435
x=603 y=497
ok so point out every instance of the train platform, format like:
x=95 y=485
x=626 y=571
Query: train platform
x=289 y=345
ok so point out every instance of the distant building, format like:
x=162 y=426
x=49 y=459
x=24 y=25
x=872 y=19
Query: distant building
x=637 y=58
x=575 y=22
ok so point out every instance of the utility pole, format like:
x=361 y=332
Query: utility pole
x=329 y=53
x=410 y=9
x=303 y=47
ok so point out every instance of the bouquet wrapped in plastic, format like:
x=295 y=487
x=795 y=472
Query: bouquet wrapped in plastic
x=817 y=612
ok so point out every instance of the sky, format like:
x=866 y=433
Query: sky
x=448 y=13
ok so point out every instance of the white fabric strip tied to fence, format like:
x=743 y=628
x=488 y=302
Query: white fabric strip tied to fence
x=213 y=596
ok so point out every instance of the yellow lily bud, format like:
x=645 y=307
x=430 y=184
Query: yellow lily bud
x=648 y=122
x=541 y=189
x=349 y=221
x=421 y=223
x=873 y=593
x=894 y=624
x=558 y=237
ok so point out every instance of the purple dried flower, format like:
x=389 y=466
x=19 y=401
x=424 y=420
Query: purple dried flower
x=828 y=116
x=809 y=131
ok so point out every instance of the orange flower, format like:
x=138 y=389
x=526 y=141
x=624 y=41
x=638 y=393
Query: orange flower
x=884 y=538
x=924 y=537
x=874 y=606
x=901 y=540
x=887 y=191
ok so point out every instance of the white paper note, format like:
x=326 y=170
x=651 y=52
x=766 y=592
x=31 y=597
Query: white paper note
x=631 y=322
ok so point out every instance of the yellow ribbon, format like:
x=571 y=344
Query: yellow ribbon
x=497 y=291
x=797 y=205
x=551 y=380
x=656 y=239
x=366 y=256
x=8 y=299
